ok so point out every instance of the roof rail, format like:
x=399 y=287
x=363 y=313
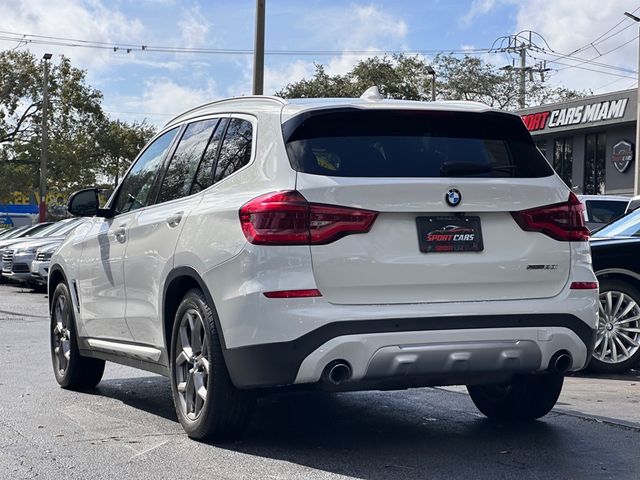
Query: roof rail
x=279 y=100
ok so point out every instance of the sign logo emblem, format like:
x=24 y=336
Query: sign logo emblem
x=453 y=197
x=622 y=155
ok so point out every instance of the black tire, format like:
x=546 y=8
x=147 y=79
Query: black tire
x=596 y=364
x=525 y=398
x=225 y=411
x=72 y=370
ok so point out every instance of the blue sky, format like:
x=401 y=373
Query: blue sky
x=154 y=86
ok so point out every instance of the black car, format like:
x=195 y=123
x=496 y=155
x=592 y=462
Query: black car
x=615 y=250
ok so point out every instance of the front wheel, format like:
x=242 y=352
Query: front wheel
x=207 y=403
x=71 y=370
x=618 y=340
x=525 y=398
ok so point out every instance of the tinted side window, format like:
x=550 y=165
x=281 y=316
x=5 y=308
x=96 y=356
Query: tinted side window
x=182 y=167
x=136 y=187
x=204 y=177
x=235 y=152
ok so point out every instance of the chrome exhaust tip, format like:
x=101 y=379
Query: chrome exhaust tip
x=560 y=363
x=337 y=372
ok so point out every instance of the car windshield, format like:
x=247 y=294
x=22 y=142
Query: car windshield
x=51 y=229
x=17 y=232
x=627 y=226
x=68 y=227
x=7 y=233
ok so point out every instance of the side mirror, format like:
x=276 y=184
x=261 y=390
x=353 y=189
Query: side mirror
x=85 y=203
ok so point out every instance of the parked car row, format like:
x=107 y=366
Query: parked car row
x=25 y=252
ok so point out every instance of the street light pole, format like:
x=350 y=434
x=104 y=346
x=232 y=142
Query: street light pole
x=258 y=53
x=44 y=146
x=636 y=168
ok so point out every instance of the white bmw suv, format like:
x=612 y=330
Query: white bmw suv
x=344 y=243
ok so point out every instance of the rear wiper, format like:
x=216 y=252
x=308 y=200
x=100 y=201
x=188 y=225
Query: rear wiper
x=464 y=168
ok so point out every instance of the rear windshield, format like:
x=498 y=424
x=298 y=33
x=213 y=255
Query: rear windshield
x=412 y=143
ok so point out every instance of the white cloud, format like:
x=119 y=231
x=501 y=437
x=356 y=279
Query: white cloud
x=70 y=19
x=276 y=78
x=478 y=8
x=164 y=98
x=194 y=28
x=571 y=24
x=568 y=25
x=363 y=28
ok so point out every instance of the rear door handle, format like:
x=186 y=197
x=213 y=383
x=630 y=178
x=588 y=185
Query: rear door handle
x=175 y=219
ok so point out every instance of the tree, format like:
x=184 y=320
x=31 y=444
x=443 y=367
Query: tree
x=405 y=77
x=470 y=78
x=84 y=145
x=120 y=143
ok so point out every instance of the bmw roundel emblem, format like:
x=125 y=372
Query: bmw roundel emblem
x=453 y=197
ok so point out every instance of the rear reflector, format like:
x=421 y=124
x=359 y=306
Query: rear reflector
x=294 y=293
x=561 y=221
x=287 y=218
x=584 y=285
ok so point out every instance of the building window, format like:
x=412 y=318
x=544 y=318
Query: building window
x=595 y=163
x=563 y=158
x=542 y=146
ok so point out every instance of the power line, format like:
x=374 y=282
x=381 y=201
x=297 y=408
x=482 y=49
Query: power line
x=594 y=70
x=124 y=47
x=597 y=39
x=591 y=61
x=609 y=84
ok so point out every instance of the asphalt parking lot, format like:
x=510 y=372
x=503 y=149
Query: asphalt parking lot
x=127 y=427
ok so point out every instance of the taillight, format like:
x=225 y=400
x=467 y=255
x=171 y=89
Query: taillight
x=561 y=221
x=287 y=218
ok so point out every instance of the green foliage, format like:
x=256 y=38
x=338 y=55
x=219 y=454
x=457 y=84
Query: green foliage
x=469 y=78
x=405 y=77
x=84 y=144
x=119 y=144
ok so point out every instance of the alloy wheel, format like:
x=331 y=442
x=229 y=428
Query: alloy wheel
x=192 y=364
x=618 y=328
x=61 y=335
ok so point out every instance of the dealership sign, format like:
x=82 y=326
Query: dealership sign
x=622 y=155
x=581 y=114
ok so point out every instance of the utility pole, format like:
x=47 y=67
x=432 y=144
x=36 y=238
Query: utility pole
x=636 y=168
x=258 y=52
x=44 y=147
x=518 y=44
x=522 y=94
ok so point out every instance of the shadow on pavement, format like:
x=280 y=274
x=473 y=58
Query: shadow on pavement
x=151 y=394
x=420 y=433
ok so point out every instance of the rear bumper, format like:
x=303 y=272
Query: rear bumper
x=424 y=351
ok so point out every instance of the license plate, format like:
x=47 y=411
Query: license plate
x=449 y=234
